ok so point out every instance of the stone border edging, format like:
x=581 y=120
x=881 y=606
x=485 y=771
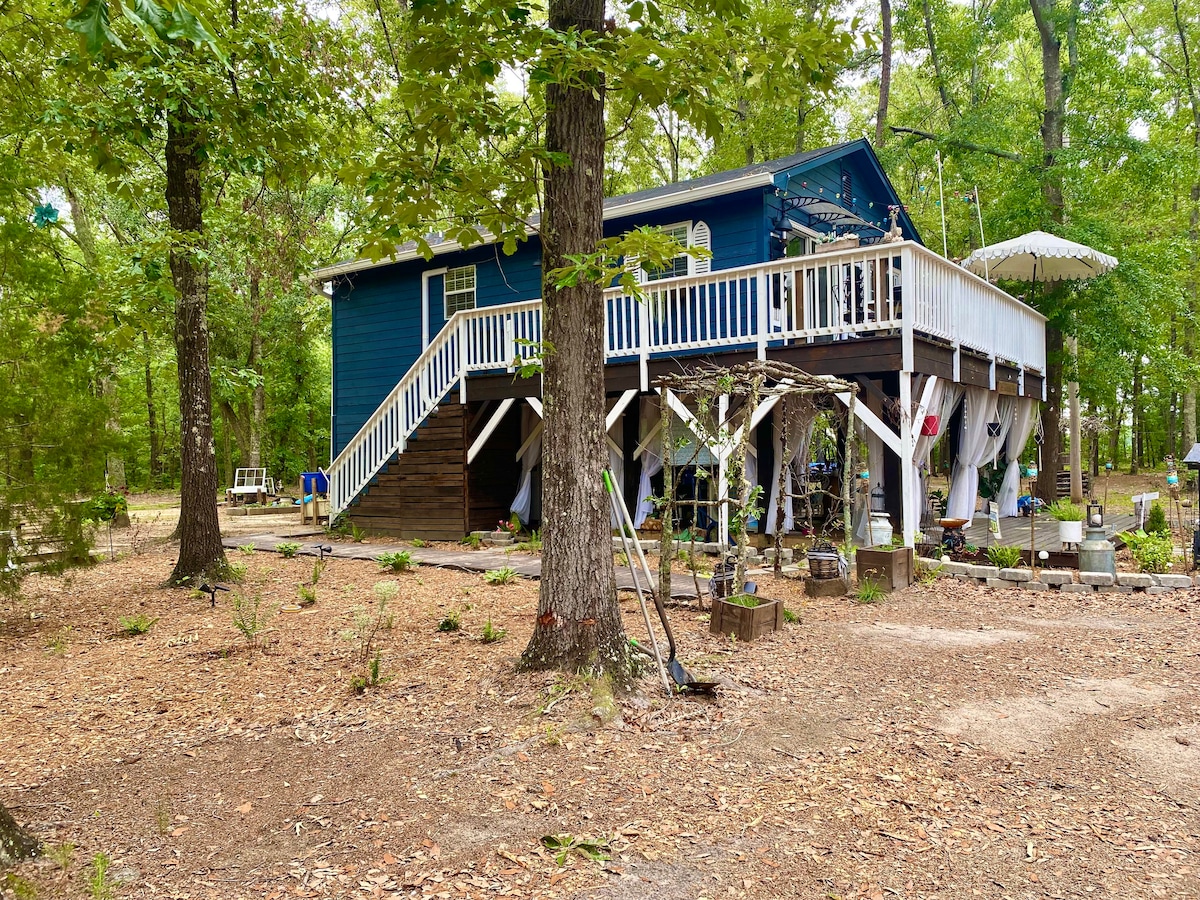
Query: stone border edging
x=1062 y=580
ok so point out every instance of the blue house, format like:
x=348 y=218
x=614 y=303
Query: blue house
x=813 y=261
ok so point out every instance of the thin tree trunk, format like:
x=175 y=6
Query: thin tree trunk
x=935 y=60
x=578 y=625
x=885 y=73
x=151 y=412
x=199 y=531
x=258 y=404
x=1047 y=482
x=16 y=844
x=1135 y=439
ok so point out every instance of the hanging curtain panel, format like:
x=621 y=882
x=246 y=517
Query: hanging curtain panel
x=651 y=460
x=800 y=430
x=533 y=453
x=1018 y=436
x=946 y=397
x=974 y=449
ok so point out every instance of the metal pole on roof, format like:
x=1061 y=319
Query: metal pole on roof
x=937 y=154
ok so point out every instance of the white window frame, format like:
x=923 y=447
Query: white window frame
x=689 y=241
x=457 y=293
x=809 y=237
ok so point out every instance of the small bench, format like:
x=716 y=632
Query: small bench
x=250 y=486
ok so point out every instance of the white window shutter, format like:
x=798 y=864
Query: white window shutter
x=633 y=265
x=701 y=237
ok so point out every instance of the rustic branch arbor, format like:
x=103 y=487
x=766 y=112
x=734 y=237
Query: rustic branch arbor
x=747 y=392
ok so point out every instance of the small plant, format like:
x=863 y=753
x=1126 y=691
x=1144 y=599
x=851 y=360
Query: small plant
x=1156 y=521
x=235 y=572
x=1063 y=510
x=98 y=884
x=1004 y=557
x=308 y=596
x=358 y=535
x=473 y=541
x=372 y=677
x=452 y=622
x=249 y=617
x=927 y=574
x=870 y=591
x=746 y=601
x=106 y=507
x=790 y=617
x=59 y=642
x=621 y=559
x=247 y=549
x=533 y=544
x=61 y=854
x=135 y=625
x=491 y=634
x=287 y=549
x=418 y=543
x=563 y=845
x=510 y=526
x=368 y=624
x=1152 y=552
x=503 y=575
x=400 y=561
x=318 y=568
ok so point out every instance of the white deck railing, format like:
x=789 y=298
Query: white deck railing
x=901 y=288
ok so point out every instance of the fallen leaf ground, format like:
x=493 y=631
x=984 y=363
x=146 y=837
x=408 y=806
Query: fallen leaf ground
x=950 y=742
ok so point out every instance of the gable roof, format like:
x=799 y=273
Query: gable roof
x=775 y=172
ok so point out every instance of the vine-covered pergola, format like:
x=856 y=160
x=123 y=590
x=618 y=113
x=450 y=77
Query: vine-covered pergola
x=730 y=402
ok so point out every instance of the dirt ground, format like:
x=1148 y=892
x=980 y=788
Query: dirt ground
x=951 y=742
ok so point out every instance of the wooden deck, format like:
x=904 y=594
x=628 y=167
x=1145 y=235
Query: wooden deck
x=1014 y=532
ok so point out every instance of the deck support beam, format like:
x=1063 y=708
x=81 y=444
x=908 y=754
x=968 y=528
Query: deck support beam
x=492 y=424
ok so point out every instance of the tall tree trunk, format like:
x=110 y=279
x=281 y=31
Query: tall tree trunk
x=1190 y=78
x=16 y=844
x=199 y=531
x=579 y=623
x=885 y=73
x=1072 y=346
x=151 y=412
x=1047 y=483
x=935 y=60
x=1135 y=437
x=258 y=396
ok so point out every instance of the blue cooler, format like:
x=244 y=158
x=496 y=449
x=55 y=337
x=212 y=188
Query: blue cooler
x=314 y=482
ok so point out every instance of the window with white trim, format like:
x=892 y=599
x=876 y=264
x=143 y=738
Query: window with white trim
x=688 y=235
x=459 y=289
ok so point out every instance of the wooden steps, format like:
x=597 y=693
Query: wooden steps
x=423 y=492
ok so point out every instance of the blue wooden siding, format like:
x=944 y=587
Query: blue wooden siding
x=377 y=312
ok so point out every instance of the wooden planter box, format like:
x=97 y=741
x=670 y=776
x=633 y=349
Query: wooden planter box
x=747 y=623
x=892 y=570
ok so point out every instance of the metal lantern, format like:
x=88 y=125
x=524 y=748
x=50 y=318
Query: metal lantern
x=1095 y=514
x=878 y=499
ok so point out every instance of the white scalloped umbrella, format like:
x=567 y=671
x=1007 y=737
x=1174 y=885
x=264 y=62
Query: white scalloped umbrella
x=1039 y=257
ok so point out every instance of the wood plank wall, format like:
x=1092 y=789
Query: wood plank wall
x=423 y=493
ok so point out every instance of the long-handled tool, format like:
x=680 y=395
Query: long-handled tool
x=681 y=676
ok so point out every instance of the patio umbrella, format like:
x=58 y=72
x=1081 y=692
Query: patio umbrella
x=1039 y=257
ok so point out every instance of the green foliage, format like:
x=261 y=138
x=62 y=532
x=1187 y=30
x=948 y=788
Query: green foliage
x=532 y=545
x=452 y=622
x=491 y=634
x=318 y=568
x=106 y=507
x=1004 y=557
x=790 y=617
x=926 y=574
x=372 y=677
x=1156 y=521
x=563 y=845
x=418 y=543
x=307 y=596
x=99 y=885
x=870 y=591
x=473 y=541
x=503 y=575
x=249 y=617
x=399 y=561
x=287 y=549
x=1152 y=552
x=247 y=549
x=747 y=601
x=1063 y=510
x=133 y=626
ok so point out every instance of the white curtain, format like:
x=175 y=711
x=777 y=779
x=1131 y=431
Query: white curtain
x=974 y=449
x=651 y=459
x=861 y=500
x=800 y=434
x=616 y=462
x=944 y=400
x=533 y=453
x=1018 y=437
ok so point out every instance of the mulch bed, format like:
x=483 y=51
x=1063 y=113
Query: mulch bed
x=950 y=742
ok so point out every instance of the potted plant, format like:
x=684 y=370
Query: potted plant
x=745 y=616
x=1070 y=520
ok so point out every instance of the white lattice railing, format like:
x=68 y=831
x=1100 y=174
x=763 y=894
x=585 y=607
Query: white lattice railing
x=828 y=296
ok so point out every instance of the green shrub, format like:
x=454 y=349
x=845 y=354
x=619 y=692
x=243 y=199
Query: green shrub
x=400 y=561
x=491 y=634
x=1156 y=521
x=927 y=574
x=249 y=618
x=1152 y=552
x=372 y=677
x=1004 y=557
x=503 y=575
x=452 y=622
x=308 y=595
x=287 y=549
x=135 y=625
x=746 y=601
x=473 y=541
x=533 y=544
x=790 y=617
x=1063 y=510
x=248 y=549
x=418 y=543
x=106 y=507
